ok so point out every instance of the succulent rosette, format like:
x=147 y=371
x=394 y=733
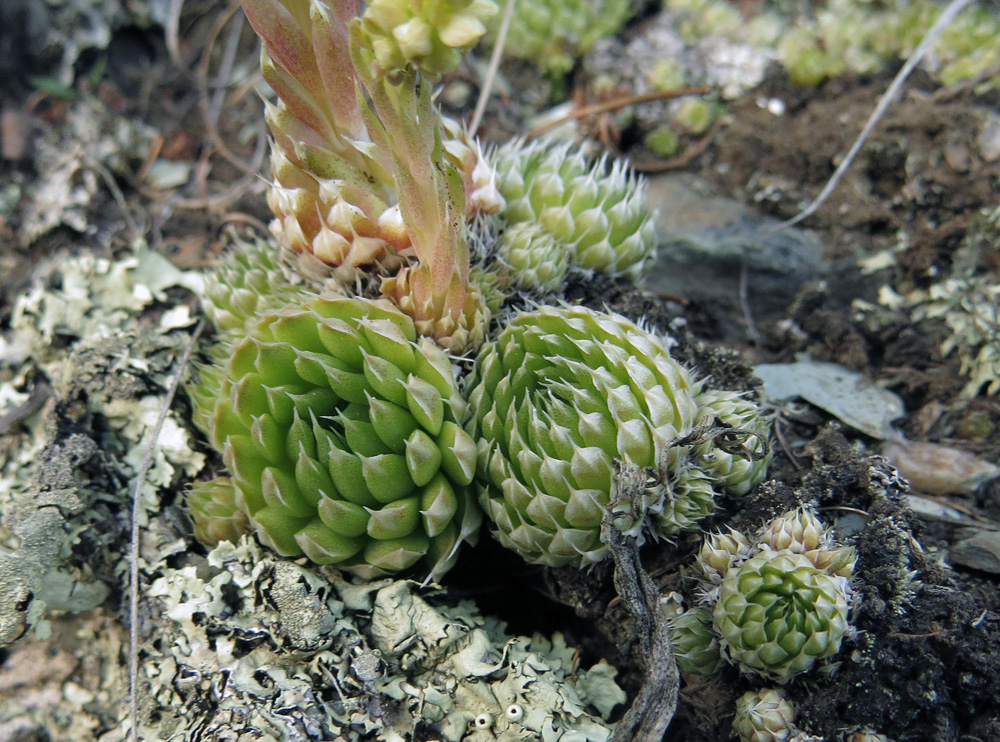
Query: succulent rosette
x=248 y=281
x=696 y=648
x=342 y=435
x=215 y=511
x=559 y=396
x=412 y=291
x=737 y=474
x=766 y=716
x=531 y=258
x=779 y=602
x=777 y=614
x=553 y=33
x=599 y=215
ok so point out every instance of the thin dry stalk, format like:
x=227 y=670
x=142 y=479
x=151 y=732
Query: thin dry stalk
x=133 y=572
x=491 y=72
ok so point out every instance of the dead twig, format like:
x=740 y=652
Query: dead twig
x=39 y=394
x=654 y=706
x=614 y=105
x=118 y=195
x=682 y=160
x=491 y=71
x=211 y=107
x=133 y=572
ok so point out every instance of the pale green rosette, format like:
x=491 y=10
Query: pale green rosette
x=248 y=281
x=559 y=396
x=215 y=511
x=531 y=258
x=736 y=474
x=342 y=435
x=696 y=647
x=430 y=35
x=778 y=614
x=766 y=716
x=600 y=215
x=554 y=33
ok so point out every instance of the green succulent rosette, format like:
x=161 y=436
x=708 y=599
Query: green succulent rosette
x=248 y=281
x=559 y=396
x=554 y=33
x=777 y=614
x=696 y=647
x=343 y=439
x=215 y=511
x=766 y=716
x=531 y=258
x=737 y=474
x=599 y=215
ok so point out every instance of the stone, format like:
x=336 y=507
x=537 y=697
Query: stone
x=703 y=241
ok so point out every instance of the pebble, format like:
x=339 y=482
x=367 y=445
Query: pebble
x=935 y=469
x=705 y=238
x=981 y=551
x=989 y=138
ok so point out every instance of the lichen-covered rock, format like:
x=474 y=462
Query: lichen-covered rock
x=68 y=466
x=288 y=652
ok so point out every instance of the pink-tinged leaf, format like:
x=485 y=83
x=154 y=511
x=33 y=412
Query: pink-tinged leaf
x=289 y=130
x=364 y=199
x=287 y=43
x=431 y=198
x=327 y=163
x=297 y=98
x=331 y=41
x=380 y=148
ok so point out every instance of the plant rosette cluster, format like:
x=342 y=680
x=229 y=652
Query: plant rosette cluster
x=563 y=393
x=343 y=437
x=774 y=606
x=340 y=420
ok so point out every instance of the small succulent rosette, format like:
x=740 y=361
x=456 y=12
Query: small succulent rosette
x=767 y=716
x=343 y=439
x=778 y=605
x=560 y=396
x=554 y=33
x=598 y=216
x=430 y=36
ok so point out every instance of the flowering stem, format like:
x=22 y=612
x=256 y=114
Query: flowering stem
x=430 y=191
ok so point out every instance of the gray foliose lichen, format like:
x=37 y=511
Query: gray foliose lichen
x=90 y=369
x=255 y=647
